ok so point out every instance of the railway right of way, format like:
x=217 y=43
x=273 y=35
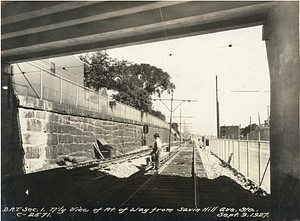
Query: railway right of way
x=175 y=184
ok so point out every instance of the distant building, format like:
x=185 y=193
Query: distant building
x=230 y=132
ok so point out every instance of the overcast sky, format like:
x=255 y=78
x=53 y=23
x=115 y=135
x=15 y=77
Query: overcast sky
x=193 y=64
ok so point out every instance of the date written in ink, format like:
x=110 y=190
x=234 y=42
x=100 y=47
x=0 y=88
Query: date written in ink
x=244 y=212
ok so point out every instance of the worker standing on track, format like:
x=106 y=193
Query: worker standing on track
x=155 y=154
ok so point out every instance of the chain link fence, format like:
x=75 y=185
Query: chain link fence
x=34 y=81
x=251 y=158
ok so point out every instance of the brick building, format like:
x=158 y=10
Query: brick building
x=230 y=132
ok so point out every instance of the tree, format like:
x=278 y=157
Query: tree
x=248 y=129
x=175 y=127
x=97 y=72
x=135 y=83
x=155 y=80
x=158 y=114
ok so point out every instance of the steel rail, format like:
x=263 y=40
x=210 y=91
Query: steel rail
x=119 y=159
x=152 y=177
x=194 y=171
x=113 y=189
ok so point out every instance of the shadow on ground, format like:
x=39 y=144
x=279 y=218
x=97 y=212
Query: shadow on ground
x=63 y=194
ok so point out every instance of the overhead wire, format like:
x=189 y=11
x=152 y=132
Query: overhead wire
x=59 y=67
x=28 y=81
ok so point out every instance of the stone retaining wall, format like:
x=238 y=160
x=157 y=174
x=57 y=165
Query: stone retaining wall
x=51 y=131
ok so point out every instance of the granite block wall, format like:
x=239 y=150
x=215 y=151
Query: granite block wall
x=51 y=131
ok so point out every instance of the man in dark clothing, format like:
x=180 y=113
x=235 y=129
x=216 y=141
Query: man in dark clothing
x=155 y=154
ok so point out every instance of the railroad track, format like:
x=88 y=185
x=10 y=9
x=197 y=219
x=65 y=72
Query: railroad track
x=176 y=183
x=119 y=159
x=122 y=158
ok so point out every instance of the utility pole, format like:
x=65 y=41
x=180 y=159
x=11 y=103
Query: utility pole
x=186 y=128
x=180 y=122
x=171 y=111
x=217 y=105
x=180 y=128
x=169 y=149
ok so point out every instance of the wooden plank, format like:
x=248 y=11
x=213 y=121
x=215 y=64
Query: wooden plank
x=98 y=149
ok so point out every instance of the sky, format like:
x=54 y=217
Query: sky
x=238 y=58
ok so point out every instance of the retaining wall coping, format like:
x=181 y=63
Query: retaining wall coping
x=38 y=104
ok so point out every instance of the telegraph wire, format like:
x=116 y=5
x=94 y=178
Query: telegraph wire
x=28 y=81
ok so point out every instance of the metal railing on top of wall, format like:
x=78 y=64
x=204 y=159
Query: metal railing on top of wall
x=250 y=157
x=38 y=82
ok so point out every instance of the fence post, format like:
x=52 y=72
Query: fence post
x=219 y=146
x=239 y=153
x=247 y=157
x=225 y=143
x=222 y=149
x=60 y=98
x=228 y=152
x=233 y=152
x=225 y=149
x=219 y=149
x=224 y=155
x=215 y=150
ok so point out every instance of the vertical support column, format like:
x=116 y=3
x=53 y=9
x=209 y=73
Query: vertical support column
x=281 y=35
x=12 y=152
